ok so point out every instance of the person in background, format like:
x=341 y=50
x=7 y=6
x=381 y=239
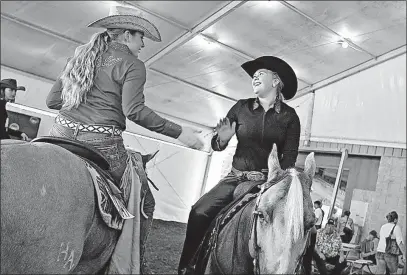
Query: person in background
x=319 y=214
x=386 y=261
x=369 y=247
x=9 y=88
x=328 y=249
x=346 y=227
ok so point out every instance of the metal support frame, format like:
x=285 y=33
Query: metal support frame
x=190 y=33
x=352 y=71
x=40 y=29
x=344 y=156
x=62 y=37
x=209 y=21
x=210 y=39
x=291 y=7
x=192 y=85
x=206 y=175
x=239 y=52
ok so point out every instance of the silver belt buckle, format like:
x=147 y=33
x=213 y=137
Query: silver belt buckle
x=255 y=176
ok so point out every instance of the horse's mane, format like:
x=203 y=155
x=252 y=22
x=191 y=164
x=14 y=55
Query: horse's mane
x=294 y=209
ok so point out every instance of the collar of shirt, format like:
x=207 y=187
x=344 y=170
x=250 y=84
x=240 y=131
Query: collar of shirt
x=119 y=46
x=256 y=105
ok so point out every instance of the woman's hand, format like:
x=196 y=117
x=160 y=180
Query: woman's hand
x=225 y=130
x=190 y=138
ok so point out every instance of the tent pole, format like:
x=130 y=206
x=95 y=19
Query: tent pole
x=338 y=180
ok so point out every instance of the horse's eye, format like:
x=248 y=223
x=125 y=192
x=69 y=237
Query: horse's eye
x=260 y=215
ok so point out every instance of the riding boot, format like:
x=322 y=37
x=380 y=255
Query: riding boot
x=196 y=229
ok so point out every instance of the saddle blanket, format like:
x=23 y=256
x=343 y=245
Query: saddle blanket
x=111 y=201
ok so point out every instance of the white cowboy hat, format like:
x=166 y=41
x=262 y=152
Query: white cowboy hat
x=127 y=18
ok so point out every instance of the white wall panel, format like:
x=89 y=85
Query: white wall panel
x=367 y=108
x=301 y=106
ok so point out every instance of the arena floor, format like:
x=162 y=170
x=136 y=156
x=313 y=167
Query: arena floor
x=164 y=246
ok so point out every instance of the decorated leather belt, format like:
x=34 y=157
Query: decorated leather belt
x=251 y=175
x=94 y=128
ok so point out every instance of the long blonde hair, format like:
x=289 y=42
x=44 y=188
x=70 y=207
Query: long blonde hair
x=78 y=75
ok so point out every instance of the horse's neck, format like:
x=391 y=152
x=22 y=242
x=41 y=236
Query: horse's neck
x=232 y=249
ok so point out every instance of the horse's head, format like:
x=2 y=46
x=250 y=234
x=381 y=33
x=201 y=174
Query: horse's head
x=285 y=217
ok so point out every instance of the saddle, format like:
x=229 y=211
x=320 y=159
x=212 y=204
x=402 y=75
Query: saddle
x=78 y=148
x=110 y=199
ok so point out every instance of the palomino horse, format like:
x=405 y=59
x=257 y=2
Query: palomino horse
x=50 y=222
x=268 y=232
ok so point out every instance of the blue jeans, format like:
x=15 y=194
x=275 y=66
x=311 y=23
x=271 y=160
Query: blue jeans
x=112 y=147
x=386 y=262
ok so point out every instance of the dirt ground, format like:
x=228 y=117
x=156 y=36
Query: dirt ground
x=164 y=246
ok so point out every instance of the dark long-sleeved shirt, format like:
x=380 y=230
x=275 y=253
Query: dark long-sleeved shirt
x=118 y=92
x=5 y=133
x=257 y=131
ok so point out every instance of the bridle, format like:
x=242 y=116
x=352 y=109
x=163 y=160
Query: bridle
x=255 y=214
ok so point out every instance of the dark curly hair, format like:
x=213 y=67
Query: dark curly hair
x=392 y=216
x=373 y=233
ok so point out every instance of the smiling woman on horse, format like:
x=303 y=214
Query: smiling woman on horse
x=103 y=84
x=258 y=123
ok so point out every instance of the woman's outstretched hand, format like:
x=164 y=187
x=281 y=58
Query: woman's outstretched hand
x=190 y=137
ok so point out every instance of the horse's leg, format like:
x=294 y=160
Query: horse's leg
x=47 y=205
x=98 y=248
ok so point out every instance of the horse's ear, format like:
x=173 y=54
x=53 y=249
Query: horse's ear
x=310 y=166
x=273 y=164
x=147 y=158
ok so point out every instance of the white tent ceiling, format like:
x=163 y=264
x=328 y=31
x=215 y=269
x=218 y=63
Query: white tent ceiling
x=194 y=73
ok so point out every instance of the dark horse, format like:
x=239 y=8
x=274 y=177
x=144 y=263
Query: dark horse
x=50 y=222
x=273 y=228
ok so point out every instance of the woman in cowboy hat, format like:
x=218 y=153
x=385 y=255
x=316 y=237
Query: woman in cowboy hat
x=103 y=84
x=258 y=123
x=8 y=93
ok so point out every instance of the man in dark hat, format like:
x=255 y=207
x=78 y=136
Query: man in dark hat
x=8 y=90
x=258 y=123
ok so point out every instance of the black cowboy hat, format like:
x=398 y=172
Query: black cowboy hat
x=279 y=66
x=12 y=84
x=331 y=221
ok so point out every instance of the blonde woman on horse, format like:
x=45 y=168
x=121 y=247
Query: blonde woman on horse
x=103 y=84
x=258 y=123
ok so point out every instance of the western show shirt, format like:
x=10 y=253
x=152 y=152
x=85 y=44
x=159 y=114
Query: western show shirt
x=257 y=131
x=117 y=93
